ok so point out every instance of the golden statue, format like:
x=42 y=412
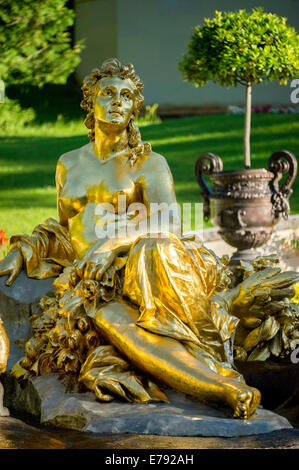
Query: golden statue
x=135 y=308
x=4 y=352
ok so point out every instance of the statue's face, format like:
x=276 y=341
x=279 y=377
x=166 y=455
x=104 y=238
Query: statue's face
x=114 y=101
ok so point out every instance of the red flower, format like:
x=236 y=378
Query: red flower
x=3 y=238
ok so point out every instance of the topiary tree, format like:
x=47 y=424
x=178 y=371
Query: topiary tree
x=242 y=48
x=35 y=42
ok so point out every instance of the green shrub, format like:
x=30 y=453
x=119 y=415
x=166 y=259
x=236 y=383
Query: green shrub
x=35 y=42
x=242 y=48
x=13 y=117
x=150 y=115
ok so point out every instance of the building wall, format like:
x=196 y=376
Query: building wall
x=152 y=34
x=96 y=22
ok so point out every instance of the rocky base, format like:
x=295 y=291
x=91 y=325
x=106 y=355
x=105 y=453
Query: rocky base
x=45 y=399
x=17 y=303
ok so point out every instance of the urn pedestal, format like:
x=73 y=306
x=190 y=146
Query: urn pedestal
x=246 y=204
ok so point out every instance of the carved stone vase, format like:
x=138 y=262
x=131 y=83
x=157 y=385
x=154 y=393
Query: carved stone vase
x=246 y=204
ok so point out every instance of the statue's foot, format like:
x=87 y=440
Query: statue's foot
x=246 y=403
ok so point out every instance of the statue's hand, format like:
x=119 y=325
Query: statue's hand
x=11 y=265
x=94 y=266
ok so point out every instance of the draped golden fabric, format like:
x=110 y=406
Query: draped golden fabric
x=47 y=251
x=171 y=281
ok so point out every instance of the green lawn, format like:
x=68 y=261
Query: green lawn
x=28 y=157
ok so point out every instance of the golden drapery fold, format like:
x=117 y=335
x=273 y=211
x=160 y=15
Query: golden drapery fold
x=169 y=283
x=108 y=374
x=47 y=251
x=172 y=281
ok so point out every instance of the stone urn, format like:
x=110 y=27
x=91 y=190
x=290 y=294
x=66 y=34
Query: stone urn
x=246 y=204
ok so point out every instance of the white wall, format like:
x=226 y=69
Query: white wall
x=153 y=34
x=96 y=22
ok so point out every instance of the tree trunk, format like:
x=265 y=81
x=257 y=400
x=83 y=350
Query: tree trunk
x=247 y=126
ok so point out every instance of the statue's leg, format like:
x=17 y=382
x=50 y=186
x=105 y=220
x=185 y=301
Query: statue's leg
x=169 y=361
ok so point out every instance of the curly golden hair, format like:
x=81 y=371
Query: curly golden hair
x=110 y=68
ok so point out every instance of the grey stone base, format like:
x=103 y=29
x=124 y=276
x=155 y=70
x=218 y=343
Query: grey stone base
x=17 y=303
x=45 y=399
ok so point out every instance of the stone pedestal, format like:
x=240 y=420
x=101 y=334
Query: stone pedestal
x=17 y=303
x=45 y=399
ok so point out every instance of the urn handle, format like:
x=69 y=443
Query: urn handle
x=207 y=164
x=280 y=163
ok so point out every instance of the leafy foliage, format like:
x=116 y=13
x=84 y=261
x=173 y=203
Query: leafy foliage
x=35 y=42
x=13 y=117
x=150 y=116
x=240 y=47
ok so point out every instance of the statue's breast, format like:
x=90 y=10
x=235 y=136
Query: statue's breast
x=94 y=181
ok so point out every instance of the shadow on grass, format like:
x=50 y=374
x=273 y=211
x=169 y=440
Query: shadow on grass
x=37 y=155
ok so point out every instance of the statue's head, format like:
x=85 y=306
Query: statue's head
x=113 y=95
